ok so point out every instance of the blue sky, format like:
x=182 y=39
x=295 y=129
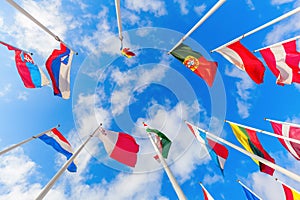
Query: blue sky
x=152 y=87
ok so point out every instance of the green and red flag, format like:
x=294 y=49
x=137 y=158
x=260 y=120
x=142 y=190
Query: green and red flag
x=163 y=142
x=250 y=142
x=196 y=62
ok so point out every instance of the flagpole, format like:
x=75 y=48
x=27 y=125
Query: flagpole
x=259 y=28
x=209 y=198
x=253 y=156
x=266 y=132
x=24 y=12
x=64 y=167
x=280 y=122
x=278 y=43
x=174 y=183
x=209 y=13
x=248 y=189
x=5 y=44
x=276 y=179
x=117 y=3
x=25 y=141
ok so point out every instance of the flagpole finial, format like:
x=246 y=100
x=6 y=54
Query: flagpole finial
x=265 y=118
x=145 y=124
x=276 y=179
x=58 y=125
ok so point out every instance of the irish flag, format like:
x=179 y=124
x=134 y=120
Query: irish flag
x=290 y=194
x=283 y=60
x=196 y=62
x=120 y=146
x=206 y=194
x=250 y=142
x=241 y=57
x=164 y=142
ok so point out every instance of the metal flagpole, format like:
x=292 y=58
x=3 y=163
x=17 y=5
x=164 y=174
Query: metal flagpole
x=174 y=183
x=276 y=179
x=64 y=167
x=248 y=189
x=117 y=3
x=266 y=132
x=251 y=155
x=25 y=141
x=280 y=122
x=4 y=43
x=270 y=46
x=24 y=12
x=209 y=13
x=259 y=28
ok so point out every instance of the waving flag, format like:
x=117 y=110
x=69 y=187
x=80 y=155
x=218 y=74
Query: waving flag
x=290 y=194
x=241 y=57
x=217 y=151
x=58 y=66
x=250 y=142
x=291 y=132
x=55 y=139
x=164 y=143
x=127 y=53
x=120 y=146
x=206 y=194
x=31 y=75
x=283 y=60
x=196 y=62
x=249 y=194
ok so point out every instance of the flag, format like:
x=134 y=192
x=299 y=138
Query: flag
x=250 y=142
x=206 y=194
x=31 y=75
x=290 y=194
x=217 y=151
x=290 y=132
x=58 y=66
x=127 y=53
x=241 y=57
x=55 y=139
x=249 y=194
x=163 y=141
x=120 y=146
x=196 y=62
x=283 y=61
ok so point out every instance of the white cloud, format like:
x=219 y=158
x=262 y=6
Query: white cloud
x=157 y=7
x=250 y=4
x=200 y=9
x=183 y=6
x=209 y=180
x=244 y=89
x=23 y=96
x=5 y=90
x=280 y=2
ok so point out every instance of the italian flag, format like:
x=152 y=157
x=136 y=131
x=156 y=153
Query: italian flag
x=250 y=142
x=120 y=146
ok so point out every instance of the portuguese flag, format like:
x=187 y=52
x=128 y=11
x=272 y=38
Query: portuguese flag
x=196 y=62
x=250 y=142
x=164 y=143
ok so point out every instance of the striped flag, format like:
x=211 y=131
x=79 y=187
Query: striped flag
x=290 y=193
x=250 y=142
x=120 y=146
x=288 y=131
x=241 y=57
x=206 y=194
x=217 y=151
x=283 y=60
x=55 y=139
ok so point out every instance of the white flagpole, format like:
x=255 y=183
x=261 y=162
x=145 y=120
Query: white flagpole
x=286 y=185
x=280 y=122
x=251 y=155
x=260 y=28
x=174 y=183
x=270 y=46
x=24 y=12
x=209 y=198
x=25 y=141
x=4 y=43
x=209 y=13
x=117 y=3
x=266 y=132
x=248 y=189
x=64 y=167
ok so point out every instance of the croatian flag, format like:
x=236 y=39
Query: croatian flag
x=58 y=66
x=217 y=151
x=31 y=75
x=55 y=139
